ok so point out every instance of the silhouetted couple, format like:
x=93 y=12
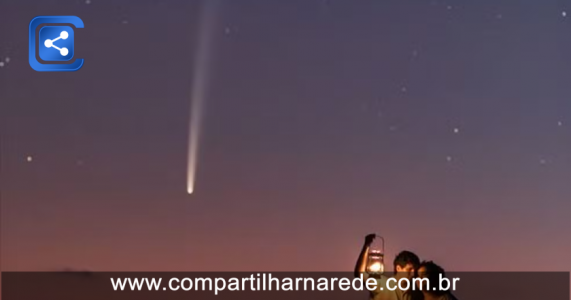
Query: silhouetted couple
x=406 y=265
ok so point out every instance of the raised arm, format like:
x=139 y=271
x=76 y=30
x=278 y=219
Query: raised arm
x=361 y=265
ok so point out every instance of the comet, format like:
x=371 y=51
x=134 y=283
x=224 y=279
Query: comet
x=199 y=87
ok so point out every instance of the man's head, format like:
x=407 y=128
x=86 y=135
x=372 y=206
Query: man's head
x=430 y=271
x=405 y=264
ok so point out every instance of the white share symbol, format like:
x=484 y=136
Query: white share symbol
x=50 y=43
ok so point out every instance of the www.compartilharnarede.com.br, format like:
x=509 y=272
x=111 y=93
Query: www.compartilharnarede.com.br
x=267 y=282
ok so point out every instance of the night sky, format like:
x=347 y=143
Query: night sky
x=444 y=126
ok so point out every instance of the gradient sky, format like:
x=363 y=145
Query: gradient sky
x=444 y=126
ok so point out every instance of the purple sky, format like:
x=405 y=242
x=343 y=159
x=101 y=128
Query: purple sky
x=445 y=126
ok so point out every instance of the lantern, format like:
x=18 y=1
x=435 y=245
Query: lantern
x=375 y=258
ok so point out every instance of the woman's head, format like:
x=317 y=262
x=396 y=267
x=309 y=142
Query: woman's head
x=431 y=271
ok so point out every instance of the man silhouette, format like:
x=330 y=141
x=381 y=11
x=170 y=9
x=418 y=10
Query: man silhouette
x=405 y=265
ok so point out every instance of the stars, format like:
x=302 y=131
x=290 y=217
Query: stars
x=499 y=16
x=227 y=30
x=564 y=14
x=449 y=158
x=125 y=22
x=4 y=62
x=545 y=160
x=449 y=7
x=79 y=162
x=403 y=89
x=559 y=123
x=88 y=2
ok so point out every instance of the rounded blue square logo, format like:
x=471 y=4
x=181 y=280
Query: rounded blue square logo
x=53 y=43
x=56 y=43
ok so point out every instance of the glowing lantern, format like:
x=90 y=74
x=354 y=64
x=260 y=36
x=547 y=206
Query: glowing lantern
x=375 y=259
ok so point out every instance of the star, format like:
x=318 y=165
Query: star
x=456 y=130
x=87 y=1
x=543 y=161
x=499 y=16
x=449 y=158
x=7 y=59
x=227 y=30
x=1 y=64
x=559 y=123
x=403 y=89
x=564 y=14
x=29 y=159
x=449 y=7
